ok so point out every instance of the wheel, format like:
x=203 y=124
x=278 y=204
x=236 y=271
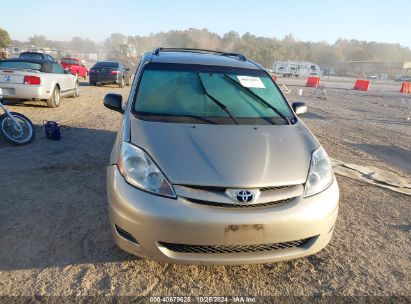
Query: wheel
x=76 y=90
x=129 y=81
x=121 y=84
x=54 y=100
x=14 y=134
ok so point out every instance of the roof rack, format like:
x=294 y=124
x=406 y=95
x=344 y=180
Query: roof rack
x=157 y=50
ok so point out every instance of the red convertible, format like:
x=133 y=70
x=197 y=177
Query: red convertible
x=75 y=66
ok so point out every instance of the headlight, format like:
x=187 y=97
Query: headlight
x=140 y=171
x=320 y=175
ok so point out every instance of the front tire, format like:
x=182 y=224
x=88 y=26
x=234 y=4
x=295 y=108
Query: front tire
x=12 y=133
x=54 y=100
x=76 y=90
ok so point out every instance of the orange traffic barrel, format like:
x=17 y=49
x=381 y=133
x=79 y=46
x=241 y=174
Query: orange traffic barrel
x=406 y=87
x=361 y=85
x=313 y=82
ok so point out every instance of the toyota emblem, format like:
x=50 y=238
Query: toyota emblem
x=244 y=196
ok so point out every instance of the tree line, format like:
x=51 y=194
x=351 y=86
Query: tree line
x=263 y=50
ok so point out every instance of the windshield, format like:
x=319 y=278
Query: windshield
x=20 y=65
x=31 y=55
x=110 y=65
x=185 y=93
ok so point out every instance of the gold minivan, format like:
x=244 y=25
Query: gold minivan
x=213 y=166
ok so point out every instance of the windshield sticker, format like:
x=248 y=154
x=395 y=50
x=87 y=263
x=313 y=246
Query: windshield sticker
x=251 y=82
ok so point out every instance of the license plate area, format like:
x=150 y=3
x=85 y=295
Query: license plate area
x=8 y=91
x=243 y=234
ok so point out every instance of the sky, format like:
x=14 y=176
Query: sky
x=306 y=20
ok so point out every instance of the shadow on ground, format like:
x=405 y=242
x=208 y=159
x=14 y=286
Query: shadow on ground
x=25 y=103
x=392 y=155
x=53 y=205
x=87 y=84
x=312 y=115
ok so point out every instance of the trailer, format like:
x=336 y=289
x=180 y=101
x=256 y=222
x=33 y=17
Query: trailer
x=296 y=68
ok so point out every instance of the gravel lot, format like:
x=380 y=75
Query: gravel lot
x=55 y=238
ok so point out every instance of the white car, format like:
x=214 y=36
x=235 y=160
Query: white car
x=36 y=79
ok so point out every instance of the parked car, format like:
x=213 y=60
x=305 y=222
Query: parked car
x=213 y=166
x=108 y=72
x=36 y=55
x=36 y=79
x=75 y=66
x=374 y=76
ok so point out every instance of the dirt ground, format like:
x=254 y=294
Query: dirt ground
x=54 y=230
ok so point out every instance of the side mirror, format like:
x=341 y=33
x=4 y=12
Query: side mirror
x=127 y=69
x=67 y=71
x=113 y=102
x=299 y=107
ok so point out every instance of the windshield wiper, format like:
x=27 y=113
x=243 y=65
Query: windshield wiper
x=260 y=99
x=195 y=117
x=217 y=102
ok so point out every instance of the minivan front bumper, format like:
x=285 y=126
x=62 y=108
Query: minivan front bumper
x=179 y=231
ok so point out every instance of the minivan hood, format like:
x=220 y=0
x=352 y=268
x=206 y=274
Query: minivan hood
x=234 y=156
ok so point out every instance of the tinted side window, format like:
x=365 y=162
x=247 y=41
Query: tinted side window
x=57 y=69
x=70 y=61
x=107 y=65
x=49 y=58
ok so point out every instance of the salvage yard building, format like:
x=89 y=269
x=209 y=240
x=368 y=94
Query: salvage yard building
x=389 y=68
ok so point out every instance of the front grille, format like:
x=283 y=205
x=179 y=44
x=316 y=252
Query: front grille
x=125 y=234
x=222 y=189
x=239 y=205
x=275 y=188
x=210 y=249
x=207 y=188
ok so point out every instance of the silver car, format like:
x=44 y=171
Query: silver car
x=212 y=166
x=25 y=78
